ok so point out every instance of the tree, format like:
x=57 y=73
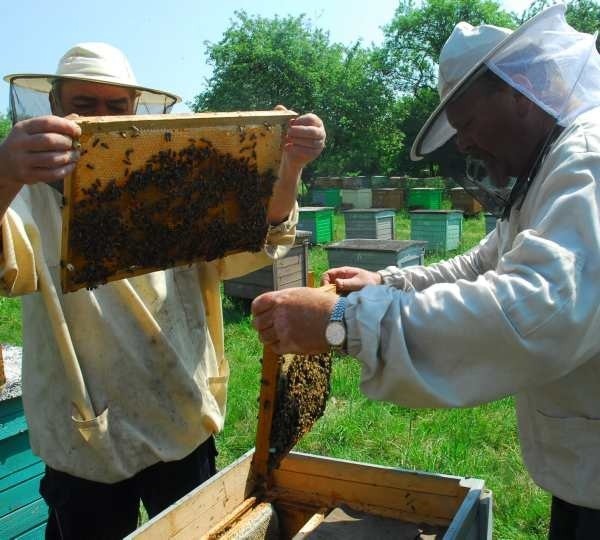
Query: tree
x=262 y=62
x=5 y=126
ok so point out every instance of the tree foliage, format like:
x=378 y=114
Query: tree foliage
x=5 y=126
x=373 y=100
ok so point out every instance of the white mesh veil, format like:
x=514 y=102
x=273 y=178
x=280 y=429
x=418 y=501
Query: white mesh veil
x=551 y=63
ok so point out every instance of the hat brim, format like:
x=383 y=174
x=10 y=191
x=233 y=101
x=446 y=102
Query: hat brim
x=444 y=131
x=43 y=83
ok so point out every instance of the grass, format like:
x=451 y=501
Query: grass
x=480 y=442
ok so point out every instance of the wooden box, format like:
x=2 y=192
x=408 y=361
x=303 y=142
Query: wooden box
x=289 y=271
x=388 y=198
x=23 y=513
x=441 y=229
x=304 y=488
x=378 y=223
x=462 y=200
x=430 y=198
x=326 y=197
x=318 y=220
x=155 y=191
x=375 y=254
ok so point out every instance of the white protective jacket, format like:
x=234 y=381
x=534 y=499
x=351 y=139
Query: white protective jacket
x=518 y=314
x=150 y=349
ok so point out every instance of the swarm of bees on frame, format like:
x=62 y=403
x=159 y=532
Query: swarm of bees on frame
x=302 y=393
x=195 y=203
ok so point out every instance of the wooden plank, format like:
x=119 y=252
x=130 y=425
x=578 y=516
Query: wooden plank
x=32 y=470
x=16 y=454
x=24 y=519
x=326 y=490
x=267 y=403
x=367 y=473
x=117 y=153
x=247 y=505
x=200 y=510
x=20 y=495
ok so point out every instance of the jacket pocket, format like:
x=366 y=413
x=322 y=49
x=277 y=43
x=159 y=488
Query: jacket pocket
x=95 y=431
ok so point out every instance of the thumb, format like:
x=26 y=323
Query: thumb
x=348 y=285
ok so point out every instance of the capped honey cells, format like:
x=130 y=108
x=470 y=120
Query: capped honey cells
x=180 y=206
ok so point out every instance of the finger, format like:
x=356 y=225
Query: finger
x=52 y=124
x=347 y=285
x=52 y=160
x=306 y=132
x=262 y=303
x=308 y=119
x=325 y=279
x=263 y=321
x=45 y=142
x=281 y=107
x=48 y=175
x=268 y=336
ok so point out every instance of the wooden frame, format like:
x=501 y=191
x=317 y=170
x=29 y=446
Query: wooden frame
x=113 y=149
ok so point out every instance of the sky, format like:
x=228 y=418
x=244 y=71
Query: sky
x=165 y=40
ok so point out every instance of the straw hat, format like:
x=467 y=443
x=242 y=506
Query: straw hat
x=467 y=52
x=93 y=62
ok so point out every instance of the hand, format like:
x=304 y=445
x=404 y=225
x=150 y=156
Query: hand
x=304 y=141
x=294 y=320
x=38 y=150
x=348 y=278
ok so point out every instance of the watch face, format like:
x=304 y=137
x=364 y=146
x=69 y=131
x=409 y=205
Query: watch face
x=335 y=333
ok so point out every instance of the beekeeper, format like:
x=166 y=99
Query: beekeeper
x=116 y=414
x=520 y=313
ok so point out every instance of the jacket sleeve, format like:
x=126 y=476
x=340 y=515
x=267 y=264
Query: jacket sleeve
x=531 y=319
x=466 y=266
x=17 y=263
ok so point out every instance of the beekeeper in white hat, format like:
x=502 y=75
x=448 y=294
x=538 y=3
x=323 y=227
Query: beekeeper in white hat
x=520 y=313
x=147 y=402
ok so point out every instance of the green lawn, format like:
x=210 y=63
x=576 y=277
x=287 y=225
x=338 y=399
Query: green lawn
x=480 y=442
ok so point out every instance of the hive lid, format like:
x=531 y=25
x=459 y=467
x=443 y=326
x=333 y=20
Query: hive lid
x=155 y=191
x=372 y=244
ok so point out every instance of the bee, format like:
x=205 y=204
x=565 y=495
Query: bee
x=167 y=136
x=90 y=166
x=104 y=145
x=95 y=143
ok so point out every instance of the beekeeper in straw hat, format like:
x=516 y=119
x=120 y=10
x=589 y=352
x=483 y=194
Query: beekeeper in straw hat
x=520 y=313
x=117 y=415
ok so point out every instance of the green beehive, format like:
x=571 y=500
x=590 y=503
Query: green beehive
x=23 y=513
x=378 y=223
x=379 y=181
x=442 y=229
x=429 y=198
x=319 y=221
x=327 y=197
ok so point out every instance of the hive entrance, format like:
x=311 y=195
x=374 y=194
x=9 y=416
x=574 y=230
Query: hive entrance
x=159 y=191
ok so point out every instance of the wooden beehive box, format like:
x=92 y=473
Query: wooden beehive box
x=156 y=191
x=316 y=497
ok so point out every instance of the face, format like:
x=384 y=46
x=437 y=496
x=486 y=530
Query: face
x=489 y=126
x=95 y=99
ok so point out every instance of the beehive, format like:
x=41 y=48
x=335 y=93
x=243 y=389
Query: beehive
x=430 y=198
x=375 y=254
x=326 y=197
x=378 y=223
x=288 y=271
x=388 y=198
x=152 y=192
x=23 y=512
x=357 y=198
x=490 y=222
x=462 y=200
x=441 y=229
x=319 y=221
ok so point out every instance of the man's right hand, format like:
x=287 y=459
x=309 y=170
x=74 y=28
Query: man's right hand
x=348 y=278
x=38 y=150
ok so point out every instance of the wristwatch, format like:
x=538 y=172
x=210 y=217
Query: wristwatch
x=335 y=332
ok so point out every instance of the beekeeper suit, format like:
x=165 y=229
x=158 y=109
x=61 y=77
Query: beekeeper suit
x=520 y=313
x=125 y=385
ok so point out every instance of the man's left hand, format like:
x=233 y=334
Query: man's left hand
x=304 y=141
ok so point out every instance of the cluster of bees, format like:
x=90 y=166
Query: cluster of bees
x=196 y=203
x=302 y=393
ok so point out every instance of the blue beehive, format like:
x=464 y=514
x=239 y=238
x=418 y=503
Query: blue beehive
x=23 y=513
x=379 y=223
x=442 y=229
